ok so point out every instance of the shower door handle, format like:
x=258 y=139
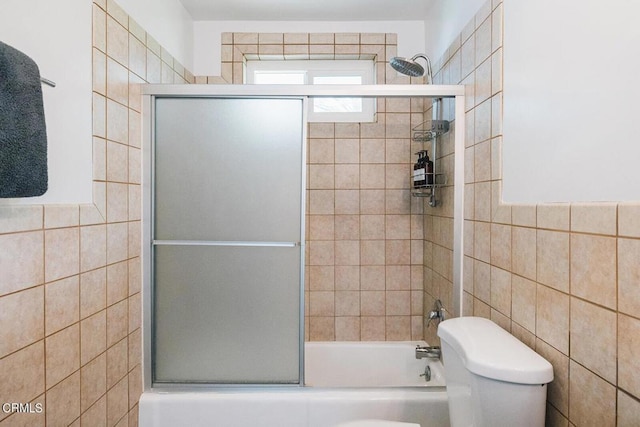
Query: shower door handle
x=225 y=243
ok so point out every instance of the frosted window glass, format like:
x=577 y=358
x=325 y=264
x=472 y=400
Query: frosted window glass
x=321 y=72
x=228 y=169
x=227 y=314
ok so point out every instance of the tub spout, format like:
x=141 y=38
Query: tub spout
x=430 y=352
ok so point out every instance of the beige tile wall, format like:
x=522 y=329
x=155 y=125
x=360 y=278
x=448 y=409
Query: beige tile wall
x=364 y=231
x=564 y=278
x=70 y=274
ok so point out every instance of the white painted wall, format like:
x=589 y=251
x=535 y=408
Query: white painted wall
x=57 y=36
x=168 y=22
x=207 y=36
x=570 y=101
x=445 y=21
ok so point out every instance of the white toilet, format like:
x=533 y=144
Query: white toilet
x=376 y=423
x=492 y=378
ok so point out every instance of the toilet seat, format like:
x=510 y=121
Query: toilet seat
x=376 y=423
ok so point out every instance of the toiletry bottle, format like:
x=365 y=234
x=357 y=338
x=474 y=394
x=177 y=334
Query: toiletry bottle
x=416 y=171
x=419 y=171
x=428 y=166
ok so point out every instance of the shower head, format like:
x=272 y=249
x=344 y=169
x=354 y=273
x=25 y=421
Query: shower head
x=410 y=67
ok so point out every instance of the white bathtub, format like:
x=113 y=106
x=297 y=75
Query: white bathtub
x=345 y=381
x=368 y=364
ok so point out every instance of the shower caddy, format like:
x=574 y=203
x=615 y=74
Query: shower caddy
x=420 y=133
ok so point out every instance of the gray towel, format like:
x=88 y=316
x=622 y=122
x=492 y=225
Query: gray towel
x=23 y=135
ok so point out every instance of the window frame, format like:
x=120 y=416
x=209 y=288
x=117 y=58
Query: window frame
x=310 y=69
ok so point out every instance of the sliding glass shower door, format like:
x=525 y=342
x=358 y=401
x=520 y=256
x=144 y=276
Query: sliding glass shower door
x=227 y=252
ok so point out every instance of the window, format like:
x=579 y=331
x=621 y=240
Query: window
x=317 y=72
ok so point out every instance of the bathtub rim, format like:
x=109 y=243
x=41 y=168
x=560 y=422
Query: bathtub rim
x=221 y=389
x=153 y=404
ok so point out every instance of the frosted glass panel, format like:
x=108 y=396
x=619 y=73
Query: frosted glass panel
x=228 y=169
x=227 y=314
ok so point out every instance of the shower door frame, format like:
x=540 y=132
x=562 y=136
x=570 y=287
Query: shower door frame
x=152 y=91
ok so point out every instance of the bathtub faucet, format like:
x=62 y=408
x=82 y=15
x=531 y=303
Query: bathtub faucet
x=437 y=313
x=430 y=352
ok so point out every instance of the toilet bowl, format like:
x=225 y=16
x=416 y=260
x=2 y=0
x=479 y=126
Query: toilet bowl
x=376 y=423
x=492 y=378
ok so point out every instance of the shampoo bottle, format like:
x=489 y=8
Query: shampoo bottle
x=419 y=171
x=428 y=166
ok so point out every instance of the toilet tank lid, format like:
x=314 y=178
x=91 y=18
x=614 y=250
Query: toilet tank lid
x=489 y=351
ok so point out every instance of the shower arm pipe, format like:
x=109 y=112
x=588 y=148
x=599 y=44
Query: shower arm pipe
x=318 y=91
x=428 y=70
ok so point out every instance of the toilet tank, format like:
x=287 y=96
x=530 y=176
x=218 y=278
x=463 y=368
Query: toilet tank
x=492 y=378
